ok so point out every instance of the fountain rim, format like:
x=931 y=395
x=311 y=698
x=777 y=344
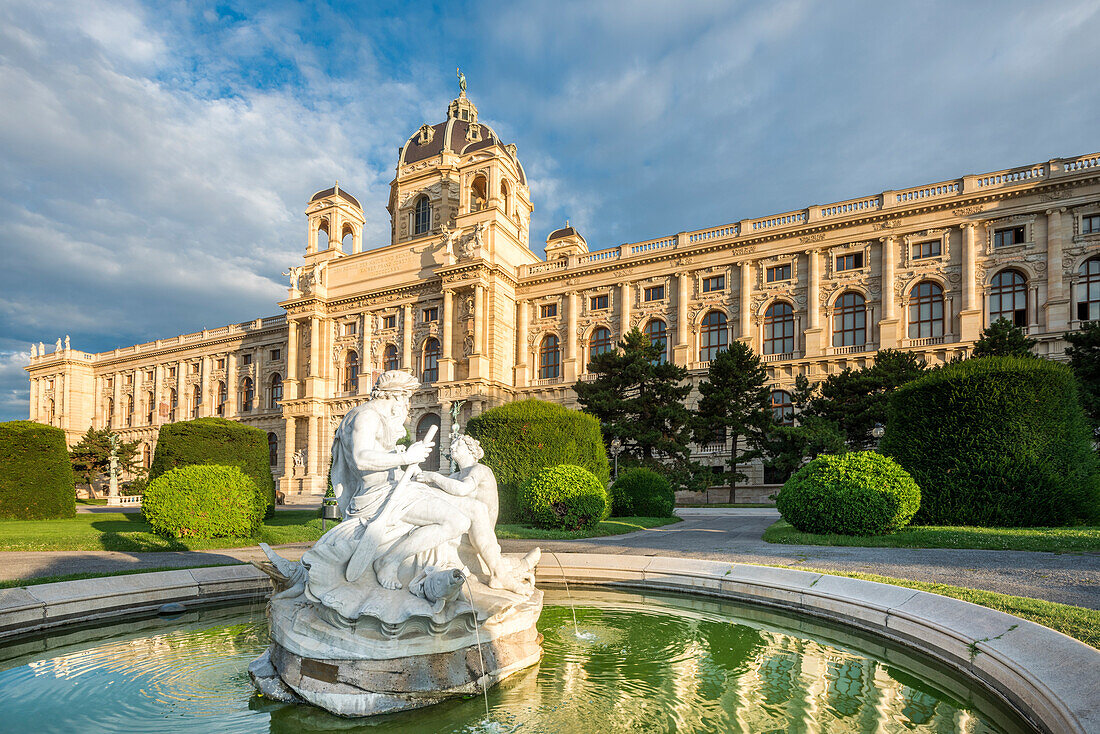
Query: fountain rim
x=1049 y=679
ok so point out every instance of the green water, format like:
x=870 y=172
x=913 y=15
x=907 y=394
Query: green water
x=641 y=663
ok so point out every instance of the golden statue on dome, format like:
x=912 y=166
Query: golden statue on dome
x=461 y=80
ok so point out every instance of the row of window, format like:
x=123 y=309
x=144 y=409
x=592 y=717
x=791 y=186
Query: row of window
x=422 y=209
x=192 y=368
x=247 y=398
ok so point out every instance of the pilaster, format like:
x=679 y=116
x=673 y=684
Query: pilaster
x=569 y=364
x=1057 y=304
x=970 y=317
x=407 y=338
x=888 y=326
x=446 y=360
x=680 y=352
x=290 y=384
x=813 y=334
x=744 y=322
x=477 y=357
x=523 y=351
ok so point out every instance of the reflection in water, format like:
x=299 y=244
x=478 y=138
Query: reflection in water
x=639 y=663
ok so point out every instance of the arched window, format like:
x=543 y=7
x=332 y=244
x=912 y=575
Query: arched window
x=146 y=455
x=925 y=310
x=109 y=412
x=422 y=216
x=347 y=239
x=422 y=426
x=173 y=404
x=713 y=337
x=430 y=367
x=549 y=358
x=273 y=449
x=782 y=407
x=1008 y=297
x=504 y=202
x=322 y=235
x=600 y=342
x=223 y=396
x=658 y=334
x=351 y=371
x=150 y=407
x=196 y=401
x=849 y=320
x=779 y=328
x=49 y=412
x=1088 y=290
x=248 y=392
x=478 y=198
x=129 y=410
x=276 y=391
x=390 y=360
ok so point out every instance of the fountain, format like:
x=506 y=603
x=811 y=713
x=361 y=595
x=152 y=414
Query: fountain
x=408 y=601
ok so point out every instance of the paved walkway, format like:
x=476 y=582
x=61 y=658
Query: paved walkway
x=719 y=534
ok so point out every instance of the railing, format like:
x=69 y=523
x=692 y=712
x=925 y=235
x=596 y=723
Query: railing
x=1011 y=176
x=123 y=499
x=546 y=267
x=928 y=192
x=548 y=381
x=589 y=377
x=778 y=357
x=926 y=341
x=856 y=205
x=592 y=257
x=658 y=244
x=1080 y=164
x=853 y=349
x=779 y=221
x=730 y=230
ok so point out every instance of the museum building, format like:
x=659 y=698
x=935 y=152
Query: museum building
x=459 y=299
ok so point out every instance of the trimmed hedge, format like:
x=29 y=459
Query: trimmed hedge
x=996 y=441
x=565 y=497
x=522 y=437
x=860 y=493
x=36 y=476
x=204 y=501
x=642 y=492
x=215 y=441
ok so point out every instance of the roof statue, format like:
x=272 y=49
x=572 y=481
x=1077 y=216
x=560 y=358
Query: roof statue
x=461 y=80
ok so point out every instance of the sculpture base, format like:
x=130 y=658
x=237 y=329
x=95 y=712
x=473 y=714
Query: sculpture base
x=367 y=687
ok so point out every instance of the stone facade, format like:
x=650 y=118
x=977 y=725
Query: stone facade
x=458 y=298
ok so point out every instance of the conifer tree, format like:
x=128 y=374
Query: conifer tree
x=92 y=455
x=1084 y=360
x=1002 y=338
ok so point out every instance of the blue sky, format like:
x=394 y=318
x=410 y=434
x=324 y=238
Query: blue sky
x=155 y=158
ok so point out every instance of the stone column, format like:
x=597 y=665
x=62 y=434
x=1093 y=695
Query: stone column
x=366 y=360
x=290 y=385
x=407 y=338
x=231 y=384
x=1058 y=301
x=446 y=360
x=181 y=388
x=477 y=364
x=158 y=386
x=681 y=352
x=570 y=362
x=116 y=401
x=523 y=316
x=624 y=309
x=204 y=382
x=289 y=448
x=316 y=447
x=313 y=379
x=744 y=325
x=888 y=326
x=260 y=402
x=970 y=318
x=812 y=344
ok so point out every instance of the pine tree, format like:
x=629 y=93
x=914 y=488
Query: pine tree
x=735 y=404
x=1084 y=360
x=1004 y=339
x=639 y=399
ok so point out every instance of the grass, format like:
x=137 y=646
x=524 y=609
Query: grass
x=617 y=526
x=128 y=532
x=14 y=583
x=100 y=502
x=1077 y=622
x=1081 y=539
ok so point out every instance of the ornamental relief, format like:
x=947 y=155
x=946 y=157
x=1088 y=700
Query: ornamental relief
x=967 y=211
x=871 y=285
x=851 y=247
x=774 y=261
x=1072 y=258
x=640 y=287
x=1028 y=222
x=887 y=224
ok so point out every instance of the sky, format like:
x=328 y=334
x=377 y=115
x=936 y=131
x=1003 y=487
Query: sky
x=156 y=158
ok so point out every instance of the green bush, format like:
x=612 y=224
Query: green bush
x=525 y=436
x=861 y=493
x=216 y=441
x=565 y=497
x=204 y=501
x=36 y=476
x=996 y=441
x=642 y=492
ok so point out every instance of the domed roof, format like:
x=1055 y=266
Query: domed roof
x=338 y=192
x=560 y=234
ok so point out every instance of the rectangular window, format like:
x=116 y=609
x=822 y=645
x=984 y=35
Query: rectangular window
x=246 y=359
x=548 y=310
x=931 y=248
x=194 y=368
x=129 y=379
x=779 y=272
x=172 y=372
x=599 y=302
x=221 y=363
x=350 y=328
x=389 y=322
x=1008 y=236
x=276 y=355
x=1090 y=224
x=110 y=383
x=431 y=314
x=148 y=375
x=654 y=293
x=851 y=261
x=716 y=283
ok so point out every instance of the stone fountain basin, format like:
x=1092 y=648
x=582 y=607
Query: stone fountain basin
x=1051 y=680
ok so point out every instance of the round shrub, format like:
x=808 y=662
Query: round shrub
x=642 y=492
x=36 y=476
x=996 y=441
x=216 y=441
x=860 y=493
x=525 y=436
x=566 y=497
x=204 y=501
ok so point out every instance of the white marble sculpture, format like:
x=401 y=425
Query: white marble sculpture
x=412 y=579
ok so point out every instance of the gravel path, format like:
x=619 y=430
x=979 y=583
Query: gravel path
x=719 y=534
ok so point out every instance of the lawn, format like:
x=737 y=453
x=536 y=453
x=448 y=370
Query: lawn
x=1077 y=622
x=128 y=532
x=1080 y=539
